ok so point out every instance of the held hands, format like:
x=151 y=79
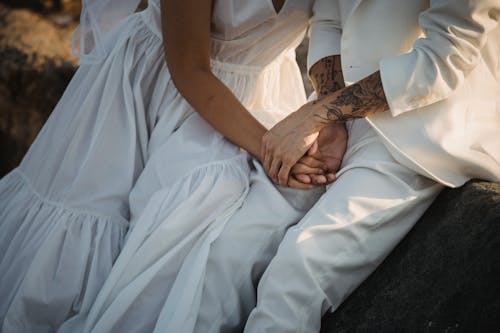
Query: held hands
x=301 y=151
x=327 y=152
x=287 y=142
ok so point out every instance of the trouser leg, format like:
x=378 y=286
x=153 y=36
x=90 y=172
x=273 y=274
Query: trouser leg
x=374 y=202
x=239 y=256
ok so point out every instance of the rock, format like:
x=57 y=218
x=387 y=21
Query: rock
x=71 y=7
x=443 y=277
x=36 y=66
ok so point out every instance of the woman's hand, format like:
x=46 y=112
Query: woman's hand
x=285 y=143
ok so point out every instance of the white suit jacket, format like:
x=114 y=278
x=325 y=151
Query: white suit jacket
x=440 y=67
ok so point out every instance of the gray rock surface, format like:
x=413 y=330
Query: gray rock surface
x=443 y=277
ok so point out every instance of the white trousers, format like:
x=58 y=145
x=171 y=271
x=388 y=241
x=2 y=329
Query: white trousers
x=374 y=202
x=239 y=256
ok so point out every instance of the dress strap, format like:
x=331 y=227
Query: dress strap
x=97 y=19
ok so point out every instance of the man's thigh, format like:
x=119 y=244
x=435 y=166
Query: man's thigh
x=239 y=256
x=373 y=203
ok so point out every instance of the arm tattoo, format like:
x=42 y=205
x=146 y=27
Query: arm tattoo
x=326 y=76
x=359 y=100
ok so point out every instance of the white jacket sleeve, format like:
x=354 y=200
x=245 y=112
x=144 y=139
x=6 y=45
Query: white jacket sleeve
x=325 y=31
x=455 y=32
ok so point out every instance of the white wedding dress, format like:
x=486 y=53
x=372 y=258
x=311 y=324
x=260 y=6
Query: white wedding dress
x=123 y=145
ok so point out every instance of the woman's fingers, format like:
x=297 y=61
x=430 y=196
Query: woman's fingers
x=284 y=171
x=266 y=158
x=274 y=169
x=314 y=148
x=280 y=166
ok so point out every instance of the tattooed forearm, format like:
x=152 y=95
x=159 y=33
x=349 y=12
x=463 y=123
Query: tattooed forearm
x=359 y=100
x=326 y=76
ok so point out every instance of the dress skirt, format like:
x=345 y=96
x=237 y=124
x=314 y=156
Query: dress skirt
x=123 y=146
x=64 y=211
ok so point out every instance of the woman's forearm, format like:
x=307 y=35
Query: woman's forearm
x=186 y=39
x=219 y=107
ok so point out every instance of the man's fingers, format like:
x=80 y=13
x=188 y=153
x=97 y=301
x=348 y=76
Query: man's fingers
x=330 y=178
x=292 y=182
x=312 y=162
x=300 y=168
x=323 y=179
x=303 y=178
x=319 y=179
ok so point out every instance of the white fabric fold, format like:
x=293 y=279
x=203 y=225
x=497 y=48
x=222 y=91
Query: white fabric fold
x=45 y=243
x=168 y=238
x=98 y=19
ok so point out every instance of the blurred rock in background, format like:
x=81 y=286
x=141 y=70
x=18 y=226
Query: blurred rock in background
x=67 y=7
x=35 y=67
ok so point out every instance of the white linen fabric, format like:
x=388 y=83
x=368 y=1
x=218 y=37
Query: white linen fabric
x=65 y=210
x=442 y=84
x=98 y=19
x=370 y=207
x=443 y=90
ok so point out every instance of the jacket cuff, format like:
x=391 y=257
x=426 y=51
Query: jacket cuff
x=406 y=90
x=324 y=41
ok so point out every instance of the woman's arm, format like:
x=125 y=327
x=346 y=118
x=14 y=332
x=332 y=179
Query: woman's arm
x=186 y=39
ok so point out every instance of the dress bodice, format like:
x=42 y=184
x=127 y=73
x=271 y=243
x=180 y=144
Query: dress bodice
x=251 y=32
x=253 y=52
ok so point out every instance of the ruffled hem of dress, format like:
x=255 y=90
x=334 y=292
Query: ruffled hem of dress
x=168 y=241
x=53 y=259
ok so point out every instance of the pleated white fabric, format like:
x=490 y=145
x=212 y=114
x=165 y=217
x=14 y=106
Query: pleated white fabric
x=123 y=130
x=52 y=257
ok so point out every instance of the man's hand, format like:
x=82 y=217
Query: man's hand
x=285 y=143
x=328 y=150
x=326 y=78
x=332 y=144
x=308 y=168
